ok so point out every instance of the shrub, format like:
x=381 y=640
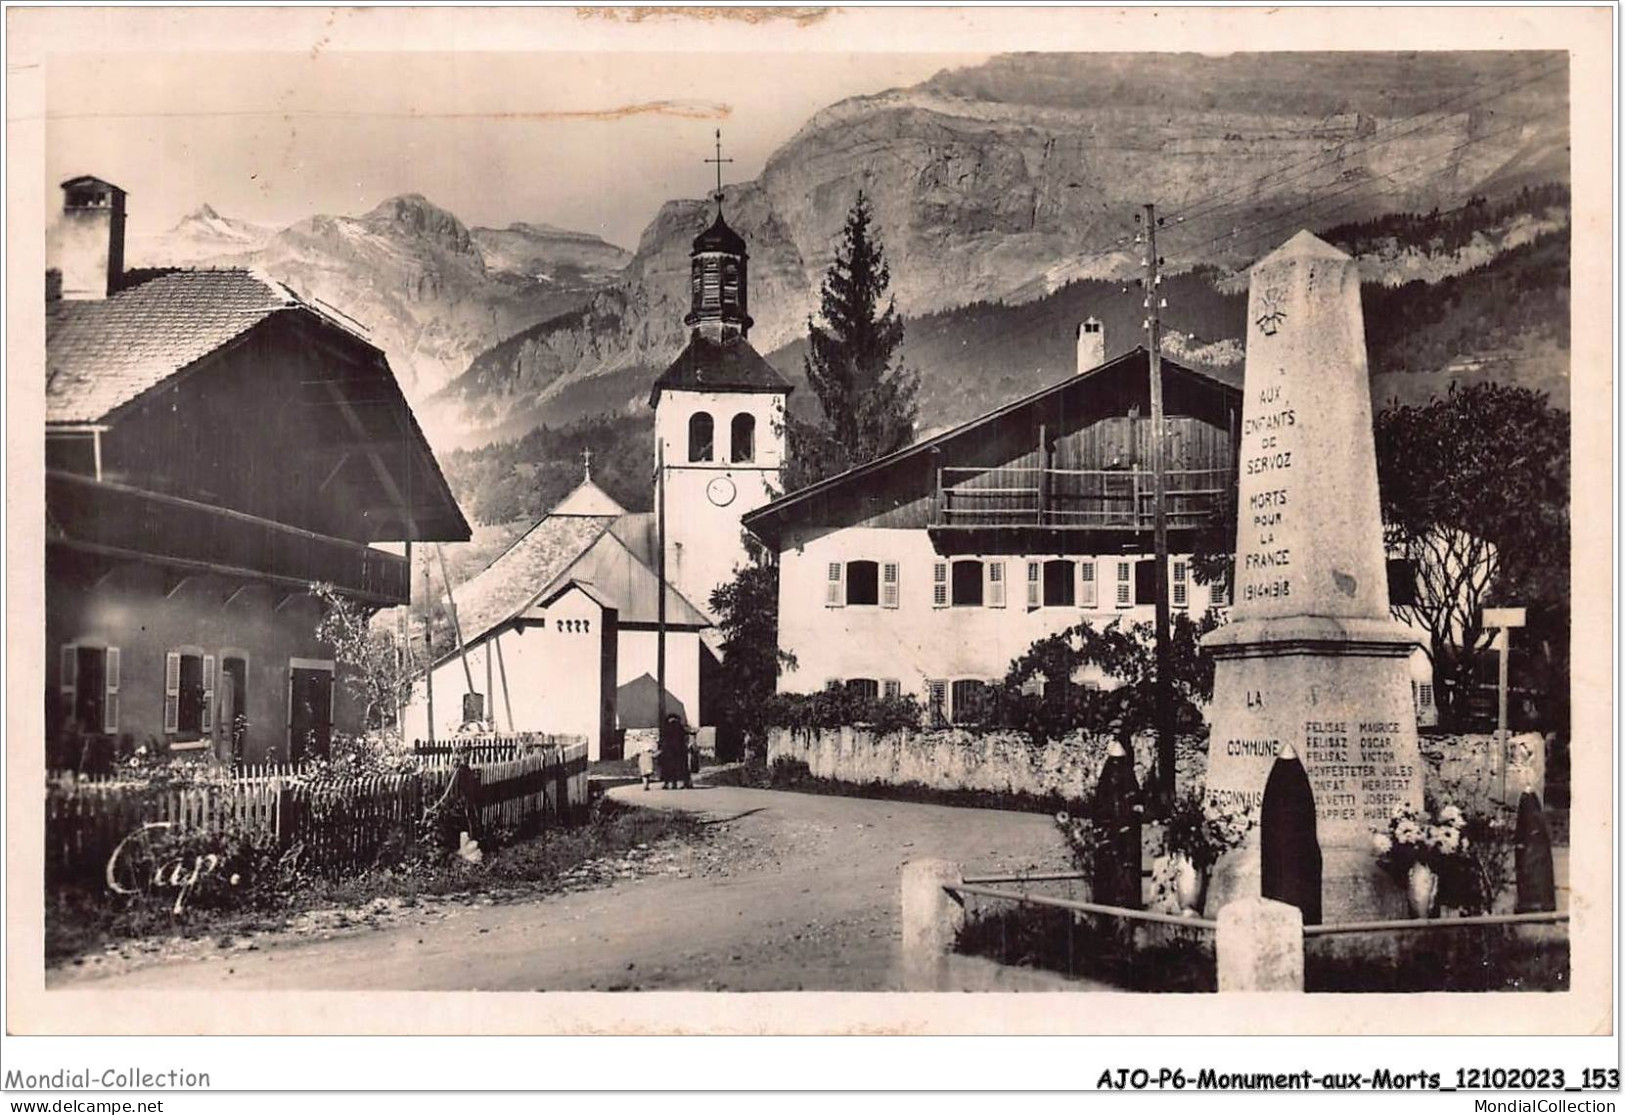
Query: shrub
x=839 y=706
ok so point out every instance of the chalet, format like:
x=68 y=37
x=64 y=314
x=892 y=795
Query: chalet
x=560 y=633
x=927 y=571
x=214 y=445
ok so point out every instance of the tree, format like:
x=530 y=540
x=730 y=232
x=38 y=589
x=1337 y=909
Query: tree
x=866 y=396
x=747 y=611
x=373 y=666
x=1475 y=493
x=867 y=402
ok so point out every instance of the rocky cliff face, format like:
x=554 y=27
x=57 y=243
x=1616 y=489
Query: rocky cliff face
x=1006 y=181
x=431 y=292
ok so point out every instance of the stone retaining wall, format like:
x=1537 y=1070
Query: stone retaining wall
x=1460 y=768
x=957 y=759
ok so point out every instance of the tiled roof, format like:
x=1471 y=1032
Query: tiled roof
x=611 y=557
x=100 y=355
x=507 y=586
x=588 y=499
x=730 y=365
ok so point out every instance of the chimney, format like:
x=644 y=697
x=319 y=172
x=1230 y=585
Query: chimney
x=1091 y=345
x=87 y=244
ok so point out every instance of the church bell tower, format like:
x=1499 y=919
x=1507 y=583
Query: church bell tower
x=719 y=418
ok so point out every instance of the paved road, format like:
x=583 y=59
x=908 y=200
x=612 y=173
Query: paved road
x=806 y=898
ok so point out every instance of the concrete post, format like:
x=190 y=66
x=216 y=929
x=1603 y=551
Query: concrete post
x=932 y=919
x=1260 y=946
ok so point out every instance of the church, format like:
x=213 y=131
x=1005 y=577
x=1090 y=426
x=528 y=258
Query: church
x=563 y=632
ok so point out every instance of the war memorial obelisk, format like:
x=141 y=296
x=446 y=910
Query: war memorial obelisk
x=1311 y=657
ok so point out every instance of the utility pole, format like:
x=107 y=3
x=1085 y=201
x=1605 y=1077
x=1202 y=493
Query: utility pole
x=1163 y=689
x=660 y=614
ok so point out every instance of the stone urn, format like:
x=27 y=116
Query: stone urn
x=1190 y=885
x=1422 y=890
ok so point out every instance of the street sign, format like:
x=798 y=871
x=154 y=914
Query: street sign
x=1504 y=617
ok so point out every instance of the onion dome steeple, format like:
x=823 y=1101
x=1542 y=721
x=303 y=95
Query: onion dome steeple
x=718 y=263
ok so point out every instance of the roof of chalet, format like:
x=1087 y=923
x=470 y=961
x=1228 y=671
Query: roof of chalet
x=102 y=354
x=763 y=520
x=610 y=556
x=728 y=365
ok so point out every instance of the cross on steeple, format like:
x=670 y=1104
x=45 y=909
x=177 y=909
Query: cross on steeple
x=586 y=464
x=719 y=160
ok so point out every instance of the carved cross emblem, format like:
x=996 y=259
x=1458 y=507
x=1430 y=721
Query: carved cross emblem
x=1272 y=310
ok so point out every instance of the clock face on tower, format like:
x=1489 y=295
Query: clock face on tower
x=721 y=491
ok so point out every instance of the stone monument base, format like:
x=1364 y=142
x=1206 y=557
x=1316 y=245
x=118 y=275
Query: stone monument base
x=1352 y=886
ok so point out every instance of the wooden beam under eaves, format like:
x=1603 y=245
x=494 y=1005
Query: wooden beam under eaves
x=173 y=583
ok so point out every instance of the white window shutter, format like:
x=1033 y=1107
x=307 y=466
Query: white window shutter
x=995 y=584
x=891 y=688
x=890 y=584
x=110 y=693
x=835 y=589
x=69 y=681
x=1088 y=596
x=1035 y=584
x=1179 y=583
x=207 y=723
x=939 y=584
x=172 y=692
x=1125 y=584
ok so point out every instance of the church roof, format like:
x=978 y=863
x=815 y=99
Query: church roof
x=588 y=499
x=720 y=238
x=612 y=557
x=726 y=365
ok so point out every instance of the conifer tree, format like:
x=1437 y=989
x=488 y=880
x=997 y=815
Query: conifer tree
x=866 y=396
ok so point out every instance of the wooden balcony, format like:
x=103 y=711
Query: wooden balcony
x=1028 y=498
x=124 y=522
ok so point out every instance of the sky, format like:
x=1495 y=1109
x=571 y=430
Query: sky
x=587 y=141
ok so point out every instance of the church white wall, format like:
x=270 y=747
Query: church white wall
x=638 y=656
x=703 y=540
x=554 y=678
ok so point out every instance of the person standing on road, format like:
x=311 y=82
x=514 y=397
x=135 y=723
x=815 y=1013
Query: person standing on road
x=674 y=764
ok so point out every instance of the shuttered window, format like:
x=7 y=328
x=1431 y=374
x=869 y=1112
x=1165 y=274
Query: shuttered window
x=995 y=584
x=1179 y=583
x=862 y=583
x=1125 y=584
x=1060 y=584
x=939 y=584
x=188 y=693
x=1035 y=584
x=89 y=685
x=891 y=688
x=866 y=689
x=1087 y=595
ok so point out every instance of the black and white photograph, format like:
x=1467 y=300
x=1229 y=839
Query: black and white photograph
x=646 y=500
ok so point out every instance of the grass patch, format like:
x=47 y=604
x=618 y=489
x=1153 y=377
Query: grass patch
x=82 y=919
x=1083 y=946
x=795 y=776
x=1476 y=958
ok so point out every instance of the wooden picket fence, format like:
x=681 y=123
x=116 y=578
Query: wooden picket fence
x=488 y=748
x=337 y=826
